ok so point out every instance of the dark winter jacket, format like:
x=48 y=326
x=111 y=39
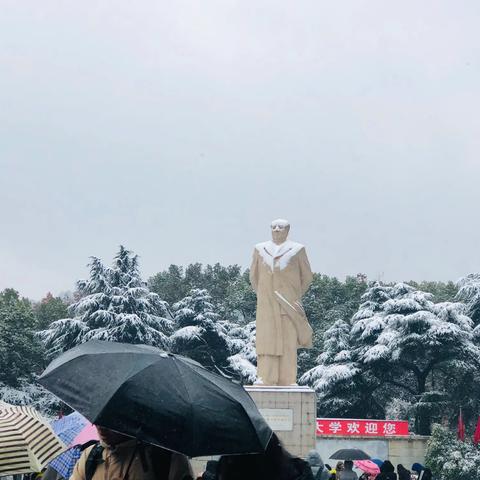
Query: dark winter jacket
x=210 y=472
x=403 y=473
x=426 y=474
x=387 y=472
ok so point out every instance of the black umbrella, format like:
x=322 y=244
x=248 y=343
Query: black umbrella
x=350 y=454
x=159 y=398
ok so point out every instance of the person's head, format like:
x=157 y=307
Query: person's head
x=313 y=458
x=110 y=437
x=280 y=229
x=401 y=468
x=348 y=465
x=387 y=467
x=339 y=466
x=417 y=467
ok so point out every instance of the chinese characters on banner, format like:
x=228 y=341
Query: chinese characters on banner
x=369 y=428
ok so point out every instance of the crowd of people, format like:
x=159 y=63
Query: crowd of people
x=277 y=464
x=120 y=457
x=344 y=470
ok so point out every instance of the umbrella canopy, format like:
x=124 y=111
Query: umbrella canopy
x=68 y=427
x=350 y=454
x=367 y=466
x=27 y=443
x=88 y=434
x=377 y=461
x=65 y=463
x=73 y=429
x=159 y=398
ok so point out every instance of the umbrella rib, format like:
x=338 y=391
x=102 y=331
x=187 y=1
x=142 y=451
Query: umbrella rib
x=186 y=390
x=254 y=429
x=231 y=397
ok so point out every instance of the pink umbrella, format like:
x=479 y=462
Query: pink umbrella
x=89 y=432
x=368 y=467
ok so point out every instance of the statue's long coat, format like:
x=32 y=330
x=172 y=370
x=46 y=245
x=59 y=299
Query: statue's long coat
x=280 y=275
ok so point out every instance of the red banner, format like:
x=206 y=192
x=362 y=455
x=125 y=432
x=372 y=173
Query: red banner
x=364 y=428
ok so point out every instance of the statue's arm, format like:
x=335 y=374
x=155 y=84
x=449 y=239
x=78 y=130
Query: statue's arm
x=306 y=274
x=254 y=271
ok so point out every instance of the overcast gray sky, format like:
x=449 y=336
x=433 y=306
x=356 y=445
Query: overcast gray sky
x=181 y=128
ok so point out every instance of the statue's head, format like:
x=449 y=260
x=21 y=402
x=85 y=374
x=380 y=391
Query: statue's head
x=280 y=229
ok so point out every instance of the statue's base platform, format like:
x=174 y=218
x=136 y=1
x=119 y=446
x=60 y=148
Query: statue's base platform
x=291 y=412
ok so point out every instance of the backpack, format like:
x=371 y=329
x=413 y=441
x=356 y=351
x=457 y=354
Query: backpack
x=160 y=461
x=93 y=460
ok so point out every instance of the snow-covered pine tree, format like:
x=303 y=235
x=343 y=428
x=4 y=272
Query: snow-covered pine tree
x=343 y=387
x=199 y=333
x=469 y=293
x=134 y=314
x=451 y=459
x=419 y=338
x=32 y=394
x=243 y=361
x=398 y=338
x=94 y=300
x=336 y=353
x=368 y=324
x=114 y=305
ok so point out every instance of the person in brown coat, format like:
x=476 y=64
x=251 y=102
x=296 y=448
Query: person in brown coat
x=123 y=458
x=280 y=274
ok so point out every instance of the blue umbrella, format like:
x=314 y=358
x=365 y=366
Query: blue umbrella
x=65 y=463
x=67 y=428
x=377 y=461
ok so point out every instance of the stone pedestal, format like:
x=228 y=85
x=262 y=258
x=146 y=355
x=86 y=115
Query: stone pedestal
x=291 y=413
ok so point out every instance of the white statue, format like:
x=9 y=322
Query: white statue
x=280 y=274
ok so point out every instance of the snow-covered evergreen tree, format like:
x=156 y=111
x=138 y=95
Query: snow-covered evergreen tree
x=368 y=323
x=199 y=333
x=336 y=354
x=243 y=362
x=32 y=394
x=114 y=305
x=344 y=388
x=451 y=459
x=398 y=339
x=469 y=293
